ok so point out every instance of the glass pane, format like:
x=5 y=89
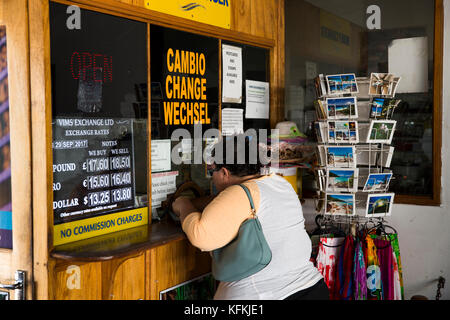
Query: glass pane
x=99 y=108
x=364 y=37
x=255 y=66
x=184 y=90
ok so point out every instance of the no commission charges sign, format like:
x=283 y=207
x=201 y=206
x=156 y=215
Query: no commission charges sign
x=87 y=228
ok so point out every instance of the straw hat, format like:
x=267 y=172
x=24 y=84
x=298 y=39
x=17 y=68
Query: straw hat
x=288 y=130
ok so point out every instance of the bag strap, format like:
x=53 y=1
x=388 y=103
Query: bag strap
x=249 y=195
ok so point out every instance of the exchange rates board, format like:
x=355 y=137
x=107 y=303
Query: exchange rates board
x=93 y=169
x=99 y=123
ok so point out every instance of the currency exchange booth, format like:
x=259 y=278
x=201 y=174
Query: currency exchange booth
x=109 y=83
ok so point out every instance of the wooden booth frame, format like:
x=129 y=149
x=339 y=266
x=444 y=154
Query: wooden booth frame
x=258 y=23
x=266 y=23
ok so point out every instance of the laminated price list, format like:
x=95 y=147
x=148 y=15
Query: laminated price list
x=93 y=167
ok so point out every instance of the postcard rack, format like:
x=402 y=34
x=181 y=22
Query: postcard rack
x=354 y=129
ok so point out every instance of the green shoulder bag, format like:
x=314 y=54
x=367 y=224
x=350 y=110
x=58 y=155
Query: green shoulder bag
x=246 y=254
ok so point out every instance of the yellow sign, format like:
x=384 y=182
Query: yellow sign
x=335 y=35
x=92 y=227
x=213 y=12
x=190 y=85
x=108 y=242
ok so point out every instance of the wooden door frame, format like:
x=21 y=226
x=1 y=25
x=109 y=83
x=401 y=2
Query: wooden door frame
x=40 y=80
x=14 y=14
x=438 y=79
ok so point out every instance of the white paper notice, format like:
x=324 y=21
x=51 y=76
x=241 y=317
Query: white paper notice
x=408 y=59
x=311 y=70
x=163 y=184
x=231 y=74
x=232 y=121
x=161 y=159
x=257 y=99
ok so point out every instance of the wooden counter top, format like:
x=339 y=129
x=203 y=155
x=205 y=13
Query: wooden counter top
x=121 y=243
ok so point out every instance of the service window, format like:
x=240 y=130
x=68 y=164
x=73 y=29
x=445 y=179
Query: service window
x=99 y=123
x=184 y=97
x=186 y=75
x=255 y=67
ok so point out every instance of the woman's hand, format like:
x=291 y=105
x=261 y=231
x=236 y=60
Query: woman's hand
x=182 y=207
x=179 y=204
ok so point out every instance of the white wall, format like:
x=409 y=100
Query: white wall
x=424 y=232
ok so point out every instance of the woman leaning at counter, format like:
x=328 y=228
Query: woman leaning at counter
x=211 y=223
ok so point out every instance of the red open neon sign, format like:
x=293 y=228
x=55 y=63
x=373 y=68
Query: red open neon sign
x=81 y=62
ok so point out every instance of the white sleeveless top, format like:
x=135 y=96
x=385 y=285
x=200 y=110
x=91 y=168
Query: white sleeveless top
x=290 y=270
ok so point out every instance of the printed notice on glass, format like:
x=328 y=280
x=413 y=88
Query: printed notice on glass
x=232 y=121
x=163 y=183
x=161 y=155
x=231 y=74
x=257 y=100
x=411 y=67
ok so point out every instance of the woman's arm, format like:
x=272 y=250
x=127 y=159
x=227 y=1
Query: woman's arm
x=220 y=221
x=183 y=206
x=202 y=202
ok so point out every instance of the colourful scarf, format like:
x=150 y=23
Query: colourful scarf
x=374 y=284
x=359 y=273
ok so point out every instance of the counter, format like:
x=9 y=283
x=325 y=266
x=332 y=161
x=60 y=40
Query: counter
x=136 y=263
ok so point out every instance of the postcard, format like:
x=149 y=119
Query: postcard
x=342 y=84
x=321 y=129
x=342 y=180
x=320 y=110
x=343 y=132
x=377 y=182
x=342 y=108
x=319 y=84
x=323 y=88
x=382 y=108
x=321 y=179
x=321 y=156
x=340 y=204
x=318 y=131
x=317 y=87
x=382 y=84
x=381 y=131
x=340 y=156
x=379 y=204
